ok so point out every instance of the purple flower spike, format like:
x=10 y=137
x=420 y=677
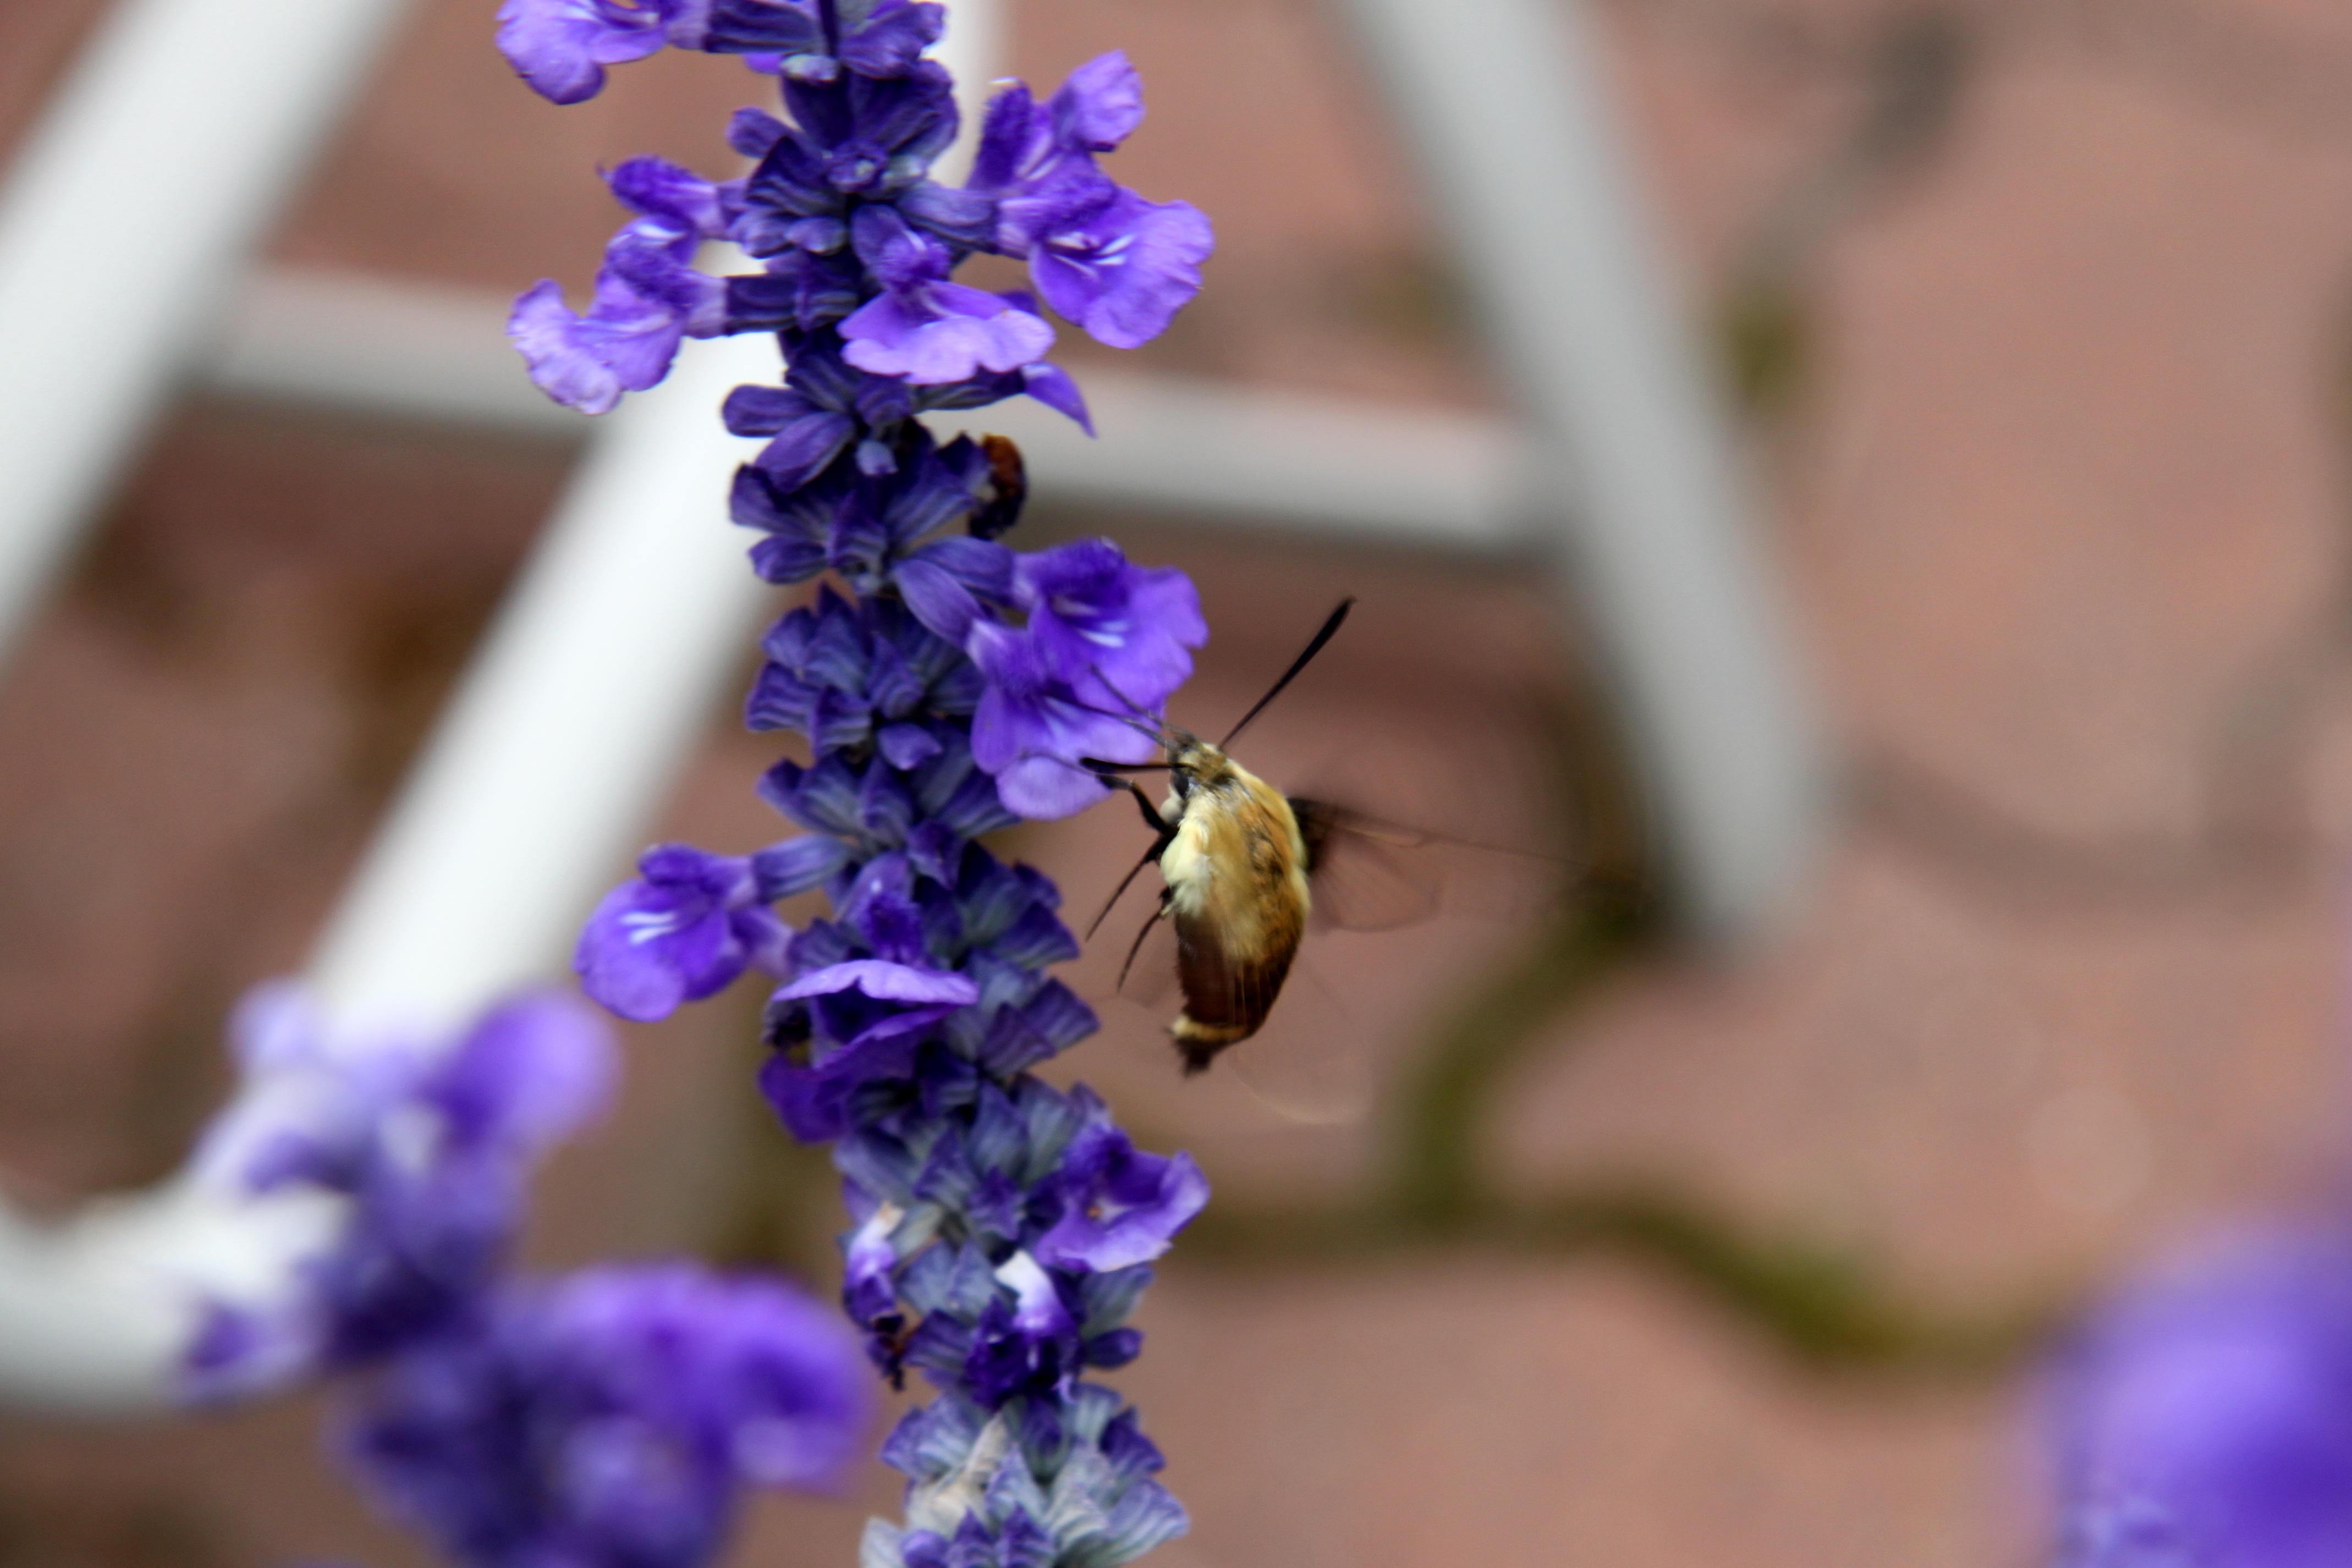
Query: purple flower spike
x=1121 y=1206
x=684 y=930
x=946 y=686
x=2205 y=1418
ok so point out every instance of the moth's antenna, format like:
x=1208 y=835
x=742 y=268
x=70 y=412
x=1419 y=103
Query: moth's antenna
x=1137 y=708
x=1330 y=626
x=1157 y=737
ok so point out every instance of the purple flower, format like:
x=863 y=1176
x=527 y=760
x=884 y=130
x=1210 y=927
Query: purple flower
x=610 y=1420
x=1095 y=615
x=854 y=1021
x=684 y=930
x=1120 y=1206
x=438 y=1189
x=1121 y=268
x=1025 y=1341
x=1104 y=645
x=562 y=47
x=1117 y=265
x=923 y=326
x=2206 y=1415
x=308 y=1100
x=648 y=295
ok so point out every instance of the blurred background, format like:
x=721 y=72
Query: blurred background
x=2035 y=325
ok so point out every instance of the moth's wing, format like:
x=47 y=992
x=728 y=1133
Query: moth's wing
x=1309 y=1062
x=1366 y=874
x=1369 y=874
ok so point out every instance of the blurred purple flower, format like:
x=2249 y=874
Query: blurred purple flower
x=2205 y=1416
x=609 y=1420
x=424 y=1152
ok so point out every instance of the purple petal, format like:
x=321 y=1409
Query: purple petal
x=1124 y=274
x=803 y=449
x=1054 y=386
x=983 y=565
x=619 y=964
x=681 y=932
x=946 y=332
x=1115 y=632
x=658 y=188
x=893 y=38
x=1007 y=132
x=797 y=865
x=1125 y=1207
x=1046 y=788
x=885 y=982
x=906 y=746
x=1099 y=104
x=937 y=599
x=586 y=363
x=753 y=132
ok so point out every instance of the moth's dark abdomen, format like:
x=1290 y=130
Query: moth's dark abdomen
x=1227 y=994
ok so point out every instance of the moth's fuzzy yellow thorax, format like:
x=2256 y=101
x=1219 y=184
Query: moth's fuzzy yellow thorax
x=1238 y=858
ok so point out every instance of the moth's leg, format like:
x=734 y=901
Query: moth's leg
x=1157 y=916
x=1150 y=856
x=1152 y=820
x=1163 y=833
